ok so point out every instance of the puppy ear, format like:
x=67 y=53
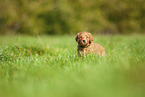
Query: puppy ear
x=77 y=40
x=91 y=37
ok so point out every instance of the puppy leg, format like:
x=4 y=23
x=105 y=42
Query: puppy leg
x=103 y=54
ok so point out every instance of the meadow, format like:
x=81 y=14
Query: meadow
x=48 y=66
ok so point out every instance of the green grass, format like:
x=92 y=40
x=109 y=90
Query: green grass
x=49 y=67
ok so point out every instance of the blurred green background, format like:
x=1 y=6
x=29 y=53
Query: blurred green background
x=72 y=16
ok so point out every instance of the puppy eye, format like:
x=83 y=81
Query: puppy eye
x=87 y=37
x=81 y=37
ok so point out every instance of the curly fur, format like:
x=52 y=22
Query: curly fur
x=86 y=45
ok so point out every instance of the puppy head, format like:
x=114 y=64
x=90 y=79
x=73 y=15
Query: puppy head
x=84 y=38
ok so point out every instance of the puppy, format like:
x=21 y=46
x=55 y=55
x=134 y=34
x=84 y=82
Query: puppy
x=86 y=45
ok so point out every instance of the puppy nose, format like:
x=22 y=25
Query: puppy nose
x=83 y=40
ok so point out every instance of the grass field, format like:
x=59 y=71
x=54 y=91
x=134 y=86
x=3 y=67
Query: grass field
x=48 y=66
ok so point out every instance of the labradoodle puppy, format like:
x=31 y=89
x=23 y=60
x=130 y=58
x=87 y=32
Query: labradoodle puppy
x=86 y=45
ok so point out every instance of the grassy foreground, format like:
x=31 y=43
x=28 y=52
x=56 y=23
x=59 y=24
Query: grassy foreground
x=48 y=66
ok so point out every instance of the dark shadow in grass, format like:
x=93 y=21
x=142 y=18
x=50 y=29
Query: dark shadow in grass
x=14 y=52
x=31 y=50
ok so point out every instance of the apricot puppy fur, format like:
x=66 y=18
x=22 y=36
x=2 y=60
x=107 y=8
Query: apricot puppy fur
x=86 y=45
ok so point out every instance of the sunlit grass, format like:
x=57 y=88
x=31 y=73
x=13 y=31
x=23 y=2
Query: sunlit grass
x=49 y=67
